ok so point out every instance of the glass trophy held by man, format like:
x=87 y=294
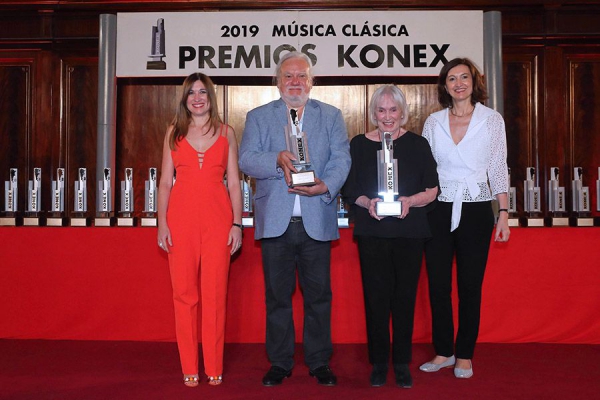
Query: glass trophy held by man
x=387 y=172
x=297 y=143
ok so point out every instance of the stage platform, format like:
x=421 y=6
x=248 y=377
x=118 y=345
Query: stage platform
x=95 y=283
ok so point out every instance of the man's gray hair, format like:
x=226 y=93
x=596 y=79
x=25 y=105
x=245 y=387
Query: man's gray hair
x=287 y=56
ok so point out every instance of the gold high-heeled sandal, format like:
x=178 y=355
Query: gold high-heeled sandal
x=191 y=380
x=215 y=380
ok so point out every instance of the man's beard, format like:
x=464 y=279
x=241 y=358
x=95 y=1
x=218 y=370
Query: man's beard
x=295 y=100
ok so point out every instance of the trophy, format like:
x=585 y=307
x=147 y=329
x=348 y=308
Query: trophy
x=126 y=213
x=297 y=144
x=598 y=191
x=56 y=217
x=387 y=172
x=157 y=52
x=11 y=197
x=149 y=218
x=512 y=204
x=531 y=203
x=247 y=211
x=342 y=213
x=597 y=219
x=32 y=217
x=104 y=209
x=581 y=200
x=80 y=217
x=556 y=200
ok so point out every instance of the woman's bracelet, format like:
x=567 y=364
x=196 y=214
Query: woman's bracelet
x=503 y=209
x=238 y=225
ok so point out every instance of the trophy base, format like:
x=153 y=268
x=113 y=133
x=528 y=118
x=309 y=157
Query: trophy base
x=148 y=221
x=305 y=178
x=581 y=221
x=56 y=221
x=11 y=221
x=557 y=221
x=343 y=222
x=156 y=65
x=80 y=221
x=34 y=221
x=389 y=208
x=513 y=222
x=126 y=221
x=104 y=221
x=531 y=222
x=248 y=221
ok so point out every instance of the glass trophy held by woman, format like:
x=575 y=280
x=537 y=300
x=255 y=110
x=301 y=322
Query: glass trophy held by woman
x=387 y=172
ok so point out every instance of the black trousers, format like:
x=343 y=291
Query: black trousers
x=283 y=256
x=470 y=244
x=390 y=270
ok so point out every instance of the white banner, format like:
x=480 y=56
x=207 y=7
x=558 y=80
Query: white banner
x=340 y=43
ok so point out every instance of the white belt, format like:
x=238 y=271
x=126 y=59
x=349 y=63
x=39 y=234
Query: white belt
x=474 y=190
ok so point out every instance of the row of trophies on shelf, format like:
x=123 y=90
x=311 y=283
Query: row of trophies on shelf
x=580 y=204
x=557 y=213
x=80 y=217
x=33 y=215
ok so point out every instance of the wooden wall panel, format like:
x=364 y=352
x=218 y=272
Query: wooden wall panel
x=241 y=99
x=578 y=21
x=521 y=113
x=15 y=123
x=45 y=149
x=584 y=119
x=144 y=112
x=554 y=137
x=80 y=120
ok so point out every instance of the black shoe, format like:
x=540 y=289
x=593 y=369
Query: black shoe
x=275 y=376
x=379 y=375
x=403 y=378
x=324 y=375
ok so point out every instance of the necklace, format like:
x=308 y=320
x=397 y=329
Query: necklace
x=460 y=116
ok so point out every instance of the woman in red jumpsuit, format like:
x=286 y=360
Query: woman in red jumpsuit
x=199 y=223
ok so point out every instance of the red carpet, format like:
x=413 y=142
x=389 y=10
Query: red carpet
x=102 y=370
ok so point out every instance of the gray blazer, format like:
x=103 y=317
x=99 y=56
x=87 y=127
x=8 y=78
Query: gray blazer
x=264 y=138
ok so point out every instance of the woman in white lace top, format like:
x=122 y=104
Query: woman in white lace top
x=468 y=142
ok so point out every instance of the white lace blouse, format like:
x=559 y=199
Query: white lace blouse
x=474 y=169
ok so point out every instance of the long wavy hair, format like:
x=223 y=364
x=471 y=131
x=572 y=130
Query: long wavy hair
x=183 y=116
x=479 y=94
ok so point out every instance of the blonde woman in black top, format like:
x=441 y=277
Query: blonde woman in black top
x=390 y=248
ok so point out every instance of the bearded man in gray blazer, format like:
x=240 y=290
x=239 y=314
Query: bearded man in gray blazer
x=296 y=224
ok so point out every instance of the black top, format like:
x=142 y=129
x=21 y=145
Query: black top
x=416 y=172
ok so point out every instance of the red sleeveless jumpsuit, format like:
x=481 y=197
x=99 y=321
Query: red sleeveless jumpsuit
x=200 y=218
